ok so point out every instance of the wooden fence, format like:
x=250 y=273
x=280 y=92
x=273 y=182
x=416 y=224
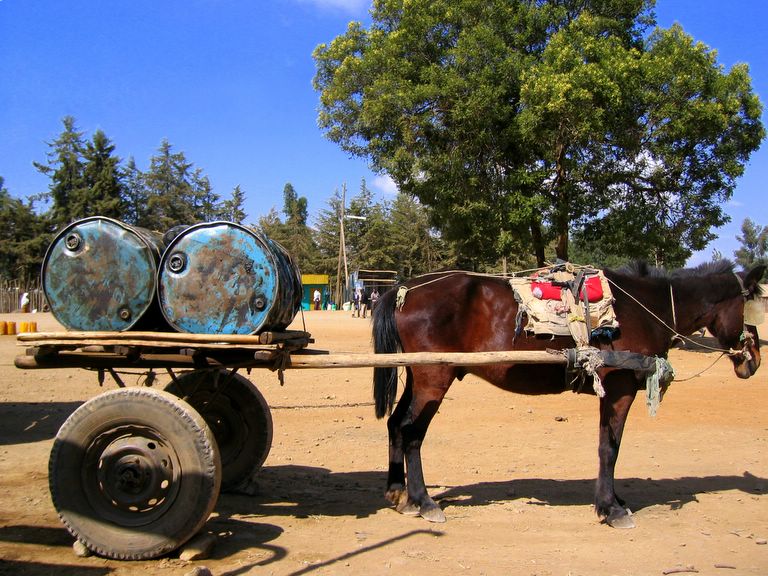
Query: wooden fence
x=11 y=295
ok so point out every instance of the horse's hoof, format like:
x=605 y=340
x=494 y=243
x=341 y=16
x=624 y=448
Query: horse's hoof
x=407 y=508
x=433 y=514
x=624 y=522
x=396 y=496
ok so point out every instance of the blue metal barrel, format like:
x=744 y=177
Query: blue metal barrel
x=101 y=274
x=222 y=278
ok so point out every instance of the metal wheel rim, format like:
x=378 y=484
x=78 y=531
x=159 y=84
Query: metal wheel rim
x=132 y=475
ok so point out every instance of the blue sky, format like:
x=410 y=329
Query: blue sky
x=229 y=83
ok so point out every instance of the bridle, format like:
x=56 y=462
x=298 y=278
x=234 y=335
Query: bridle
x=746 y=336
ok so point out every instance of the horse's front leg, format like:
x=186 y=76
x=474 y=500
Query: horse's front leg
x=620 y=391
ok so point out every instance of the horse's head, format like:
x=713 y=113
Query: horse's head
x=735 y=323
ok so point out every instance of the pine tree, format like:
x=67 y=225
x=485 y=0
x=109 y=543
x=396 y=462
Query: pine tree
x=170 y=200
x=65 y=169
x=232 y=209
x=136 y=195
x=102 y=193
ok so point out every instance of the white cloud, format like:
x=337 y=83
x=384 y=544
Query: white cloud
x=385 y=185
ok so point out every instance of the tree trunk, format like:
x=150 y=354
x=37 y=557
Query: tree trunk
x=538 y=241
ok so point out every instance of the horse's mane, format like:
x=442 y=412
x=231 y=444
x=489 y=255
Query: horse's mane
x=641 y=269
x=705 y=269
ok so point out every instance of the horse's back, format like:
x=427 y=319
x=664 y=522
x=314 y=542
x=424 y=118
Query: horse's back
x=456 y=311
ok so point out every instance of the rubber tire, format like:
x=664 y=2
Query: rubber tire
x=161 y=424
x=240 y=419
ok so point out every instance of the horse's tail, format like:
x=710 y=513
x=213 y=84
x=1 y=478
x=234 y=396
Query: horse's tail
x=386 y=340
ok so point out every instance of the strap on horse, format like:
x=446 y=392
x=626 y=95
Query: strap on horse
x=658 y=372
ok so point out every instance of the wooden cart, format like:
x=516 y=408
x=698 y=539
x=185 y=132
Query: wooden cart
x=135 y=472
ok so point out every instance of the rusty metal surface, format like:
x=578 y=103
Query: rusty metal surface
x=100 y=274
x=222 y=278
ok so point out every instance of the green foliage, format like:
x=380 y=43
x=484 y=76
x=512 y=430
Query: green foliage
x=136 y=197
x=233 y=210
x=754 y=245
x=65 y=169
x=23 y=239
x=102 y=189
x=293 y=233
x=170 y=185
x=520 y=124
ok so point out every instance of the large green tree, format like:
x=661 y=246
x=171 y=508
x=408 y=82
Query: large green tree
x=86 y=177
x=413 y=244
x=136 y=196
x=520 y=123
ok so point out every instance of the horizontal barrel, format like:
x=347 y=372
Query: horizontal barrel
x=222 y=278
x=101 y=274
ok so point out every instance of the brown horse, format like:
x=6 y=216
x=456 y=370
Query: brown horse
x=464 y=312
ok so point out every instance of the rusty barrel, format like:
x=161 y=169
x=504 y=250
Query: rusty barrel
x=101 y=274
x=223 y=278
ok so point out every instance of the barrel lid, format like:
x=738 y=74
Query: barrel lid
x=218 y=278
x=99 y=274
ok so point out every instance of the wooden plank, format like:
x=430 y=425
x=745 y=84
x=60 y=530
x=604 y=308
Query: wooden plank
x=305 y=359
x=144 y=344
x=362 y=360
x=161 y=339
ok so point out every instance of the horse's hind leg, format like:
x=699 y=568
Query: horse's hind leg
x=407 y=427
x=396 y=492
x=621 y=388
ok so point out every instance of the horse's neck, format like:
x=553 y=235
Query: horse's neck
x=692 y=306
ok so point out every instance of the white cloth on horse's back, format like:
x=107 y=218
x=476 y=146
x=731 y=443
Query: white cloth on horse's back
x=564 y=317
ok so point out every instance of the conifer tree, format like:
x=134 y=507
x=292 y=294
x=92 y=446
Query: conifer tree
x=65 y=170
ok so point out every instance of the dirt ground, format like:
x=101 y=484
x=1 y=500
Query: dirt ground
x=513 y=473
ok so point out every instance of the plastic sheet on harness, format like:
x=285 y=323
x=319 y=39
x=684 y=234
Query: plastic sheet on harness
x=565 y=316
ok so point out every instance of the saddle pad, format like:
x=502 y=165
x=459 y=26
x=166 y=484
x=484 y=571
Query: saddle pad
x=555 y=316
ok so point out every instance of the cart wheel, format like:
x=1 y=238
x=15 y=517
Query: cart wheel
x=238 y=415
x=134 y=473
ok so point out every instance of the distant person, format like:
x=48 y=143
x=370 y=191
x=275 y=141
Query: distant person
x=374 y=299
x=356 y=304
x=25 y=302
x=316 y=299
x=364 y=302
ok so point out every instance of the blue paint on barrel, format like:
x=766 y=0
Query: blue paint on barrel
x=101 y=274
x=222 y=278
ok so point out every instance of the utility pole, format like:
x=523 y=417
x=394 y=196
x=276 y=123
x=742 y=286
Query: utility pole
x=343 y=247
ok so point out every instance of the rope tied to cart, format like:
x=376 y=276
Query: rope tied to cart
x=281 y=361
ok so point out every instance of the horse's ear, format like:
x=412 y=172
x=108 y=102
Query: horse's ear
x=752 y=280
